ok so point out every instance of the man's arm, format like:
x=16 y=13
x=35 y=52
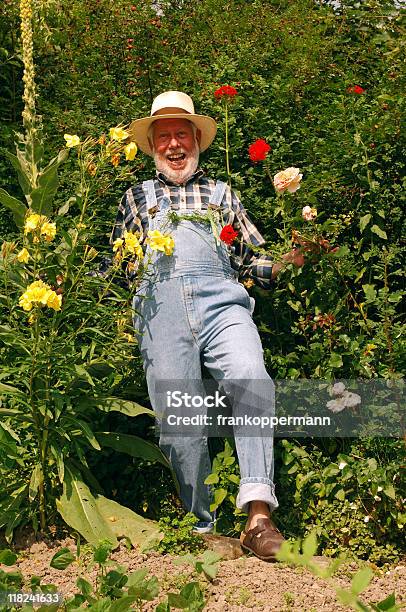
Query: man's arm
x=259 y=268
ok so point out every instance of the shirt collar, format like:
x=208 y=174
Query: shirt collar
x=193 y=178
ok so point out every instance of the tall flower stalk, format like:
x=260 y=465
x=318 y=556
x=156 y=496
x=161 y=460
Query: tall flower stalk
x=225 y=94
x=30 y=119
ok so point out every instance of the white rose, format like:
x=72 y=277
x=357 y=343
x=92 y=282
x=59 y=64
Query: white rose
x=351 y=399
x=336 y=405
x=287 y=180
x=308 y=213
x=337 y=389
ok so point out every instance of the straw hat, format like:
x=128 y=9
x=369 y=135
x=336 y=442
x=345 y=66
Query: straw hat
x=172 y=105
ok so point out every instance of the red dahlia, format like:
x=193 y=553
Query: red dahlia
x=357 y=89
x=228 y=234
x=258 y=150
x=225 y=90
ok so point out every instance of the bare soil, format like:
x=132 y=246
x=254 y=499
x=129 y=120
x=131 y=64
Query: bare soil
x=244 y=583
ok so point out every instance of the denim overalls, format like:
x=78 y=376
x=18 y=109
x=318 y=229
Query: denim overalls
x=191 y=311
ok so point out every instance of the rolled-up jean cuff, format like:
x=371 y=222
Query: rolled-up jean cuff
x=256 y=491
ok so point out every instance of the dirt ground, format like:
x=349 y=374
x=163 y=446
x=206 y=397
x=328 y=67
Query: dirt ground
x=245 y=583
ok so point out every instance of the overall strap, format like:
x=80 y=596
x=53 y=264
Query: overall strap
x=150 y=196
x=218 y=195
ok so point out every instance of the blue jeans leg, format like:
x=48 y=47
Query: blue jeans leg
x=235 y=353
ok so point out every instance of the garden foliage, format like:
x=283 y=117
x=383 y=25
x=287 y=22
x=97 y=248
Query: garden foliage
x=321 y=85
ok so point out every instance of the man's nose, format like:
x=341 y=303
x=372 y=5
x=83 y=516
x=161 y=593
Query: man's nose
x=174 y=143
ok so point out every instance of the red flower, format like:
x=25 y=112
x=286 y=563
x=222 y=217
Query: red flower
x=357 y=89
x=258 y=150
x=225 y=90
x=228 y=234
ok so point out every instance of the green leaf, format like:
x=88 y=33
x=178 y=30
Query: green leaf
x=62 y=559
x=309 y=546
x=137 y=578
x=389 y=491
x=361 y=580
x=88 y=433
x=42 y=197
x=363 y=222
x=340 y=495
x=109 y=404
x=7 y=557
x=102 y=551
x=84 y=586
x=343 y=251
x=219 y=497
x=132 y=445
x=123 y=604
x=16 y=206
x=379 y=232
x=123 y=522
x=79 y=510
x=370 y=292
x=20 y=165
x=388 y=604
x=335 y=360
x=37 y=479
x=212 y=479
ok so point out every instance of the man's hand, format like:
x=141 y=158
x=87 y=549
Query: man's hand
x=295 y=256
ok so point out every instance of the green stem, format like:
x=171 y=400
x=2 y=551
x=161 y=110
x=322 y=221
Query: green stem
x=227 y=150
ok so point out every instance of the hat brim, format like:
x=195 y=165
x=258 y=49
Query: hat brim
x=138 y=129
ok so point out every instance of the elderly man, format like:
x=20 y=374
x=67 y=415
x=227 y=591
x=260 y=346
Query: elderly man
x=191 y=311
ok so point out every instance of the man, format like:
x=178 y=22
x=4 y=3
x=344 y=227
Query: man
x=192 y=311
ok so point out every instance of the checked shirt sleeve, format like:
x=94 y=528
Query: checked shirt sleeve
x=255 y=266
x=127 y=219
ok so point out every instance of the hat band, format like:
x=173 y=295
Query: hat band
x=170 y=111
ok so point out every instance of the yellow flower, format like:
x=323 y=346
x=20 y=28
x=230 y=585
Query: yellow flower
x=23 y=256
x=160 y=242
x=287 y=180
x=71 y=140
x=132 y=244
x=25 y=303
x=32 y=222
x=115 y=159
x=118 y=134
x=54 y=301
x=48 y=230
x=130 y=151
x=40 y=293
x=117 y=244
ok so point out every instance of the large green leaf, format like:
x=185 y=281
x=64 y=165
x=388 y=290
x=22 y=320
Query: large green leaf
x=132 y=445
x=123 y=522
x=16 y=206
x=42 y=197
x=111 y=404
x=78 y=508
x=20 y=165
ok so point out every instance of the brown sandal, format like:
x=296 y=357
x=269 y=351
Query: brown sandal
x=263 y=541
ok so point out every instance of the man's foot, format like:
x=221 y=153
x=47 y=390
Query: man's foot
x=263 y=541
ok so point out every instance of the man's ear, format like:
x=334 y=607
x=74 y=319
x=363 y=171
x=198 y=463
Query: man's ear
x=151 y=144
x=198 y=136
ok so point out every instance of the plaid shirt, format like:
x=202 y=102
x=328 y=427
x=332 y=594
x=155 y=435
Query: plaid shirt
x=195 y=194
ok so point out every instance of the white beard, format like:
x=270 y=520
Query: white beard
x=178 y=176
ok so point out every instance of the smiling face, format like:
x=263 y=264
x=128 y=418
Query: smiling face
x=175 y=148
